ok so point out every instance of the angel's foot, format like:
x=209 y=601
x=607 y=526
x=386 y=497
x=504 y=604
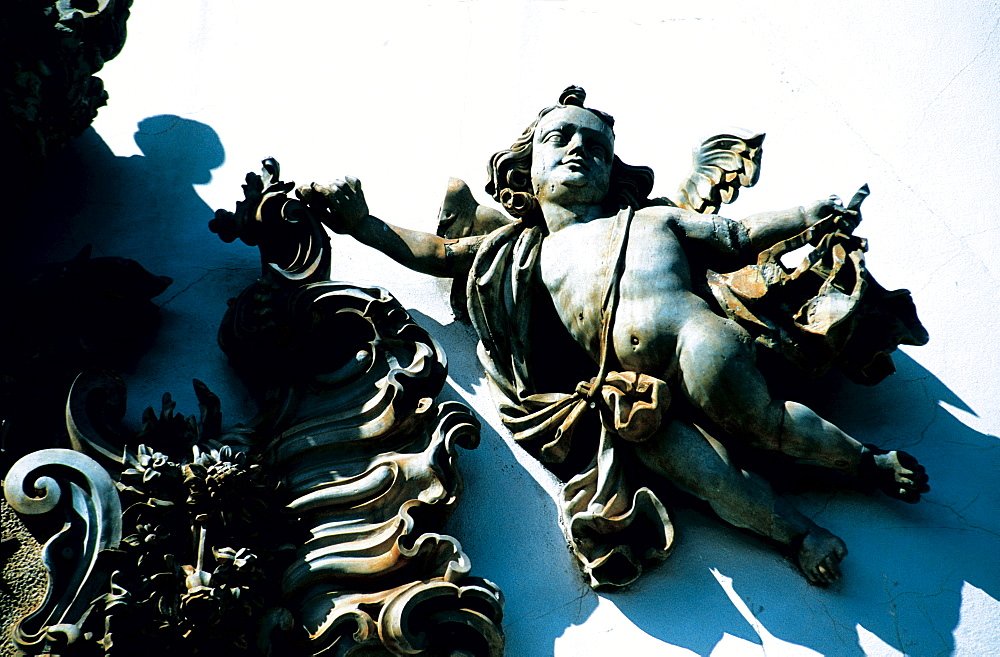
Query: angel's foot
x=819 y=556
x=896 y=473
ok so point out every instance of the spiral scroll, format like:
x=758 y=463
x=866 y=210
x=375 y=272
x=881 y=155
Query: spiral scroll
x=75 y=486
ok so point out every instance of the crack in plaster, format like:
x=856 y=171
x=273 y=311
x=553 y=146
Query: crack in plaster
x=892 y=612
x=917 y=379
x=972 y=501
x=981 y=448
x=825 y=504
x=838 y=626
x=840 y=114
x=930 y=623
x=533 y=617
x=935 y=414
x=932 y=274
x=209 y=271
x=963 y=520
x=173 y=125
x=946 y=649
x=987 y=41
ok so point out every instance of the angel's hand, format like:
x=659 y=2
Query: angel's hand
x=831 y=214
x=340 y=205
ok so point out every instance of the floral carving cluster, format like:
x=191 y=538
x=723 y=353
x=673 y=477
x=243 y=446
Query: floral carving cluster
x=191 y=563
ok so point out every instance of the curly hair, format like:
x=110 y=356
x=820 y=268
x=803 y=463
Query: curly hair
x=510 y=170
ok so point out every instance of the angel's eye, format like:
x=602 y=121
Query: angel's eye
x=555 y=138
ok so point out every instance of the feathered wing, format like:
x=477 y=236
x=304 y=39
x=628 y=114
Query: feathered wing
x=722 y=165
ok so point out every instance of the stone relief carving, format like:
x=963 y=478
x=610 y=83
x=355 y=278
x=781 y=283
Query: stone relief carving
x=52 y=51
x=365 y=455
x=617 y=332
x=317 y=527
x=114 y=320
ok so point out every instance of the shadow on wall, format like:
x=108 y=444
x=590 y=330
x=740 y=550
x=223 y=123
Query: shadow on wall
x=507 y=522
x=142 y=205
x=144 y=208
x=913 y=574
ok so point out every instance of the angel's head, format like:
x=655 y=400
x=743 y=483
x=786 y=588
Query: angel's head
x=568 y=152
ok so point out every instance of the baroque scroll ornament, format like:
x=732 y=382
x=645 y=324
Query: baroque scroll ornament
x=315 y=528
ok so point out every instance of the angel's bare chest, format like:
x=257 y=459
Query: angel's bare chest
x=576 y=264
x=574 y=268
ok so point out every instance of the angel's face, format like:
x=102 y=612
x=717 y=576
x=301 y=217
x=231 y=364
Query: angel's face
x=571 y=157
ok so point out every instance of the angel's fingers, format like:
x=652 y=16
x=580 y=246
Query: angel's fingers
x=354 y=184
x=850 y=219
x=313 y=194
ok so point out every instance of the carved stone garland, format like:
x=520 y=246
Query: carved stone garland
x=316 y=528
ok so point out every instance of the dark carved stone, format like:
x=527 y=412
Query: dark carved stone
x=316 y=528
x=51 y=52
x=77 y=488
x=61 y=319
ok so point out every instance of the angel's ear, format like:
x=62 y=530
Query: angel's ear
x=722 y=165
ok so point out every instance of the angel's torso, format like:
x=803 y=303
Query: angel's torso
x=655 y=297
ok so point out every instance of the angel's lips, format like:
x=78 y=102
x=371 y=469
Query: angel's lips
x=577 y=174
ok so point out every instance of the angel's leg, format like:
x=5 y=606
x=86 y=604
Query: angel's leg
x=719 y=377
x=699 y=465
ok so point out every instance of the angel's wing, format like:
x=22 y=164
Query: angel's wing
x=722 y=164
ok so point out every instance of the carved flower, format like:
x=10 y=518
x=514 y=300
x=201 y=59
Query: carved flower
x=148 y=535
x=201 y=605
x=152 y=475
x=231 y=558
x=236 y=569
x=215 y=478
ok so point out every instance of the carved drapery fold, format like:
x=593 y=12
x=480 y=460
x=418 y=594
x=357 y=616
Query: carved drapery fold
x=614 y=528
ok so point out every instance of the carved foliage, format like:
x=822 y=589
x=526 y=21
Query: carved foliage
x=190 y=570
x=316 y=529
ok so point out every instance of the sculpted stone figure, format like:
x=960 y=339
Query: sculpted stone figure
x=594 y=277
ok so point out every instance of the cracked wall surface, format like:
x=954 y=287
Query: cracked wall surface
x=405 y=95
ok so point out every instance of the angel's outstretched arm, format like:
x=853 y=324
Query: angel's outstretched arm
x=757 y=232
x=766 y=229
x=341 y=205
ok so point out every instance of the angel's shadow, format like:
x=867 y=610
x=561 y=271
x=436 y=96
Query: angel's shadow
x=76 y=312
x=907 y=598
x=908 y=569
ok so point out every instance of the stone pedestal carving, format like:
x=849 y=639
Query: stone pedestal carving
x=52 y=51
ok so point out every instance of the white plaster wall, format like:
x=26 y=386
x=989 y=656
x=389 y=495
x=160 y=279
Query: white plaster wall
x=901 y=95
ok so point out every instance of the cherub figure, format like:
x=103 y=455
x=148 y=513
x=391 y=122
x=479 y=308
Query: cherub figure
x=592 y=257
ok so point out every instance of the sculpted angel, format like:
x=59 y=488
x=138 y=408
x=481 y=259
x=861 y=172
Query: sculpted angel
x=610 y=360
